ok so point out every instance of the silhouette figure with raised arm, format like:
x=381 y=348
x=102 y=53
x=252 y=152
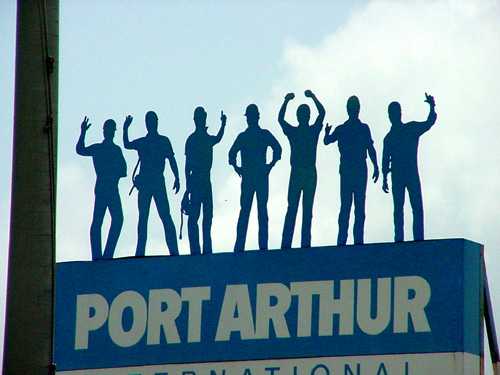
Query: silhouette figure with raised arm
x=303 y=177
x=109 y=166
x=153 y=150
x=400 y=159
x=199 y=156
x=252 y=144
x=354 y=142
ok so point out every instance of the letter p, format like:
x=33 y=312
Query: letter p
x=91 y=314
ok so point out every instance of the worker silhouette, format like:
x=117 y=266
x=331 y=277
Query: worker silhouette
x=252 y=144
x=400 y=159
x=109 y=166
x=303 y=177
x=153 y=150
x=354 y=141
x=199 y=156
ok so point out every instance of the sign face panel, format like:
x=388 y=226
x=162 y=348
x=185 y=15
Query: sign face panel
x=375 y=309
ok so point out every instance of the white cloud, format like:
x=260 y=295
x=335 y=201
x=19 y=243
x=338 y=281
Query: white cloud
x=390 y=51
x=393 y=50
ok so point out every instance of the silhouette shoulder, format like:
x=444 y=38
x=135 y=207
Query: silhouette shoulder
x=366 y=128
x=267 y=133
x=387 y=137
x=189 y=139
x=339 y=128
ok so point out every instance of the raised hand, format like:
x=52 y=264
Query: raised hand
x=128 y=121
x=85 y=124
x=289 y=96
x=430 y=99
x=223 y=118
x=177 y=186
x=308 y=93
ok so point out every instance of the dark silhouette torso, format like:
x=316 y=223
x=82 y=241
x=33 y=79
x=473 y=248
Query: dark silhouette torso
x=109 y=165
x=402 y=145
x=303 y=145
x=252 y=145
x=353 y=139
x=199 y=153
x=153 y=150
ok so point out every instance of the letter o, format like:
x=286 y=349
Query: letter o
x=320 y=366
x=133 y=300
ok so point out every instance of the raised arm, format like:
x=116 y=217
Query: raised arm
x=281 y=115
x=126 y=143
x=423 y=126
x=80 y=145
x=330 y=138
x=319 y=107
x=220 y=134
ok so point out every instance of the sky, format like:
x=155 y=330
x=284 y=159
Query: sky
x=122 y=57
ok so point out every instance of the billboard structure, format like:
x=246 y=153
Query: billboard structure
x=374 y=309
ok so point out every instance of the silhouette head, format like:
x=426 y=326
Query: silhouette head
x=252 y=114
x=353 y=107
x=151 y=122
x=109 y=129
x=394 y=112
x=303 y=114
x=200 y=118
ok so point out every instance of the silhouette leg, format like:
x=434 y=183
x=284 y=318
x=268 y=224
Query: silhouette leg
x=291 y=212
x=161 y=201
x=208 y=213
x=116 y=212
x=262 y=197
x=310 y=181
x=193 y=231
x=415 y=193
x=247 y=192
x=345 y=209
x=398 y=195
x=95 y=228
x=143 y=202
x=359 y=209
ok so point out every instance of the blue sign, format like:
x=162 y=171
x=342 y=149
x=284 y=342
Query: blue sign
x=397 y=298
